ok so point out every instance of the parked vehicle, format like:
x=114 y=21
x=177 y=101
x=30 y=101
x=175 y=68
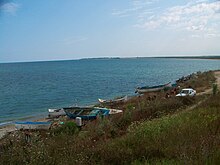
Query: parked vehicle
x=187 y=92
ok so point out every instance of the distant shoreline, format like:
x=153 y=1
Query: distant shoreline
x=194 y=57
x=117 y=58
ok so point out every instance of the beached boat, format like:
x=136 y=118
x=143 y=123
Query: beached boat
x=111 y=111
x=117 y=100
x=56 y=112
x=86 y=113
x=114 y=111
x=147 y=89
x=32 y=125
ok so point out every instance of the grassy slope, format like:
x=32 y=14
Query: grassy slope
x=154 y=132
x=189 y=137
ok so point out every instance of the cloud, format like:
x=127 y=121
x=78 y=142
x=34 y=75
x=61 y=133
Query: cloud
x=194 y=16
x=9 y=7
x=135 y=7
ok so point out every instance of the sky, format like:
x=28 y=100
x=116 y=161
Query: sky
x=41 y=30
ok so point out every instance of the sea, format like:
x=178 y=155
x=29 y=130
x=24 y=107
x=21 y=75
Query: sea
x=28 y=89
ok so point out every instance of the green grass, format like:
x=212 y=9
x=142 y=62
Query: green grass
x=68 y=128
x=188 y=137
x=214 y=89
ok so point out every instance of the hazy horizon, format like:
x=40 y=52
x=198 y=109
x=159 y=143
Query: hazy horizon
x=69 y=30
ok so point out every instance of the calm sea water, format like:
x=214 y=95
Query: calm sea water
x=29 y=89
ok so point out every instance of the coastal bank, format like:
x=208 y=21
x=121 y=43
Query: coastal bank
x=146 y=129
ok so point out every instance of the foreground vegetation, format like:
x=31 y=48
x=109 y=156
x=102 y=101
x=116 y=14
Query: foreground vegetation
x=155 y=131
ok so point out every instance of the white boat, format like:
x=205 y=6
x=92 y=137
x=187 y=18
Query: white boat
x=56 y=112
x=32 y=125
x=111 y=111
x=118 y=100
x=114 y=111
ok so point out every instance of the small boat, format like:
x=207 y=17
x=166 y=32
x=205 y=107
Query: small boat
x=147 y=89
x=56 y=113
x=111 y=111
x=32 y=125
x=117 y=100
x=86 y=113
x=114 y=111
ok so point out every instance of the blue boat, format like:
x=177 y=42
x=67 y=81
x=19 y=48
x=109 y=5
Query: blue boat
x=86 y=113
x=32 y=125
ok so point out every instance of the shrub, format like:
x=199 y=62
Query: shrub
x=68 y=128
x=214 y=89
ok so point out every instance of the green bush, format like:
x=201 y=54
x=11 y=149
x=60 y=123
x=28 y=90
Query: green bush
x=68 y=128
x=214 y=89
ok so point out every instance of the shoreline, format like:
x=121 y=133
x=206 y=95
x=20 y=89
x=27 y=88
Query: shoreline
x=211 y=57
x=9 y=127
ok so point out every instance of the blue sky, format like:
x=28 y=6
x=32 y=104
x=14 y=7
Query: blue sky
x=71 y=29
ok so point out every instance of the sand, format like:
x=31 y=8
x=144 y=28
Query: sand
x=6 y=129
x=217 y=75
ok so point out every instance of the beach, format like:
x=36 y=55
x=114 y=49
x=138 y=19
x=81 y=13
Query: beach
x=10 y=128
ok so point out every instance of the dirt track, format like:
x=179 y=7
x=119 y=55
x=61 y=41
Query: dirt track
x=209 y=91
x=217 y=75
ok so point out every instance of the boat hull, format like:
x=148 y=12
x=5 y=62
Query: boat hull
x=52 y=113
x=32 y=125
x=85 y=113
x=115 y=111
x=123 y=99
x=152 y=89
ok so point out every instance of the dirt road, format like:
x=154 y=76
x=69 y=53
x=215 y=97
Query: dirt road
x=209 y=91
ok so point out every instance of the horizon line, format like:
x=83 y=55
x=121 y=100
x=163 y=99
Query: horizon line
x=113 y=57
